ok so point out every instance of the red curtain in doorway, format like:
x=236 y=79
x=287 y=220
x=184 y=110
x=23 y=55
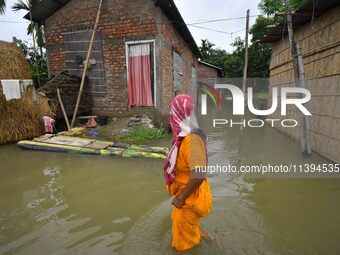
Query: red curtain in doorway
x=139 y=82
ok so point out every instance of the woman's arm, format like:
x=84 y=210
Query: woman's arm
x=190 y=188
x=196 y=157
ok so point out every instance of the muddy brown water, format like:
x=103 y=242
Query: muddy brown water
x=53 y=203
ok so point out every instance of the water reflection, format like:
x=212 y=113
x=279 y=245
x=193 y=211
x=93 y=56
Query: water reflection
x=69 y=204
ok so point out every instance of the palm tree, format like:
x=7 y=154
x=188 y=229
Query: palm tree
x=33 y=27
x=206 y=48
x=2 y=6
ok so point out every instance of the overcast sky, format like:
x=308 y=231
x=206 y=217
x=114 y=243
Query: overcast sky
x=191 y=10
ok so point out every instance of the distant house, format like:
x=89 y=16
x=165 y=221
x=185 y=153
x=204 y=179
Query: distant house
x=143 y=52
x=208 y=72
x=317 y=29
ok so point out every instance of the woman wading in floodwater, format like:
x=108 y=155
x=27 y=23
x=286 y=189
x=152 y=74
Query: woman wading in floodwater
x=193 y=198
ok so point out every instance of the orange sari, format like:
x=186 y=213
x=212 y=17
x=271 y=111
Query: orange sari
x=186 y=221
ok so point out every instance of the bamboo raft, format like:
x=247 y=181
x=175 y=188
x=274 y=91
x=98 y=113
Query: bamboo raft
x=60 y=143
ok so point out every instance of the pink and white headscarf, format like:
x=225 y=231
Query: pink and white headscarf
x=182 y=122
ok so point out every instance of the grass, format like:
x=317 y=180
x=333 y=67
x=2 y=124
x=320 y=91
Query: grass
x=138 y=134
x=141 y=134
x=262 y=95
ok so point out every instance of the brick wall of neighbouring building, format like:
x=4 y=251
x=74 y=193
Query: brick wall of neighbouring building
x=121 y=21
x=320 y=48
x=207 y=72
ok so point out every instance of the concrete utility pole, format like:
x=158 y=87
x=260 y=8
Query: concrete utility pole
x=244 y=83
x=299 y=74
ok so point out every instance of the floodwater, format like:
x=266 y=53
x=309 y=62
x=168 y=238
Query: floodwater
x=54 y=203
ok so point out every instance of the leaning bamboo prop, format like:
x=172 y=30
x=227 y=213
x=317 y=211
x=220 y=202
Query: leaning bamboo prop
x=63 y=110
x=299 y=74
x=86 y=64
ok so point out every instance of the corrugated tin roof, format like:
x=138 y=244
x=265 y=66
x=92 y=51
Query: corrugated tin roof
x=47 y=7
x=300 y=17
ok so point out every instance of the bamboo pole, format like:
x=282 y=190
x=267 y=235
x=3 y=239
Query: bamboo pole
x=299 y=75
x=63 y=110
x=86 y=64
x=305 y=118
x=244 y=82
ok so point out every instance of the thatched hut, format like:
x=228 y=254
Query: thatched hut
x=19 y=118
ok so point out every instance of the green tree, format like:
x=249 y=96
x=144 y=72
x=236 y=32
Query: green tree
x=232 y=63
x=270 y=7
x=259 y=28
x=29 y=54
x=206 y=48
x=258 y=54
x=2 y=6
x=33 y=27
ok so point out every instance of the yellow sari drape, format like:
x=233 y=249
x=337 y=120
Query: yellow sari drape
x=186 y=221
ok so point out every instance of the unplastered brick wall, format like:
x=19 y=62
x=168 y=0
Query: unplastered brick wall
x=205 y=72
x=171 y=40
x=319 y=42
x=120 y=22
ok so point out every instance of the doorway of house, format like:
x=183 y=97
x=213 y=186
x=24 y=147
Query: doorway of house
x=140 y=71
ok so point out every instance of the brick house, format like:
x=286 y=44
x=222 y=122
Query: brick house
x=208 y=71
x=150 y=29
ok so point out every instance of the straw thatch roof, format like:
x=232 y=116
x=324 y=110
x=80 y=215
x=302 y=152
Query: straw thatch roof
x=19 y=118
x=22 y=118
x=13 y=64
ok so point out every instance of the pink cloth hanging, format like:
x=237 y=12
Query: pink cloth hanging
x=48 y=123
x=139 y=82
